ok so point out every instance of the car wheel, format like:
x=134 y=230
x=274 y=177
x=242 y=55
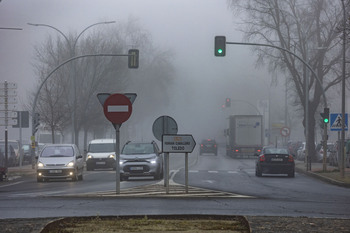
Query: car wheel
x=258 y=173
x=292 y=174
x=123 y=178
x=158 y=175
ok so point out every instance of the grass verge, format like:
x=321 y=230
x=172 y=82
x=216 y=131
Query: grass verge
x=159 y=224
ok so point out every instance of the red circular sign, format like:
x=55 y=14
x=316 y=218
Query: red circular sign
x=117 y=108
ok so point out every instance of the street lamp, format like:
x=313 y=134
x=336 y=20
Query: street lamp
x=72 y=54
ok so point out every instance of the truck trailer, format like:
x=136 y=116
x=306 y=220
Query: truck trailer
x=244 y=135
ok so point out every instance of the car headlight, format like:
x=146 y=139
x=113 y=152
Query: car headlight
x=121 y=162
x=152 y=160
x=111 y=156
x=70 y=164
x=90 y=157
x=40 y=164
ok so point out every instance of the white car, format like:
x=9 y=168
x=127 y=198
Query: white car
x=60 y=161
x=101 y=154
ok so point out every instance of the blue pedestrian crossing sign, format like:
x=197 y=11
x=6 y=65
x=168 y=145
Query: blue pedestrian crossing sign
x=336 y=121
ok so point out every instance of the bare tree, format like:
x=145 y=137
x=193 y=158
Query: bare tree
x=307 y=28
x=101 y=74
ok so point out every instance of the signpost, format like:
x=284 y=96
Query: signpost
x=179 y=143
x=8 y=102
x=117 y=109
x=164 y=125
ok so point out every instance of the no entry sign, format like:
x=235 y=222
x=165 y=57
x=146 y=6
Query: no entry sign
x=117 y=108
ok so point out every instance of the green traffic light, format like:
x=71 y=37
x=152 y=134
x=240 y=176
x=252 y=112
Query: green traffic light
x=326 y=120
x=220 y=51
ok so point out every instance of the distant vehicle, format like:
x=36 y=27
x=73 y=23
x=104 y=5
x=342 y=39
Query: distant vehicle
x=208 y=146
x=12 y=152
x=60 y=161
x=244 y=135
x=141 y=159
x=319 y=151
x=275 y=161
x=334 y=156
x=101 y=154
x=301 y=152
x=27 y=157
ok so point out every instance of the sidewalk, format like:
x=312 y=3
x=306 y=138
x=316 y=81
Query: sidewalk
x=332 y=174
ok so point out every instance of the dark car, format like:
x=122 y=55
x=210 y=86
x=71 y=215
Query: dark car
x=208 y=146
x=275 y=161
x=141 y=159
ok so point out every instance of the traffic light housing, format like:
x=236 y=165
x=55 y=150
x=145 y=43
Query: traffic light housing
x=325 y=115
x=133 y=59
x=220 y=46
x=228 y=102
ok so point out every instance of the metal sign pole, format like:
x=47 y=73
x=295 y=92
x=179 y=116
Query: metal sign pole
x=117 y=155
x=167 y=173
x=186 y=171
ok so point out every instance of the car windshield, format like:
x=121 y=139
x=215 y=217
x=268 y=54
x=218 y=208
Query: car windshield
x=138 y=148
x=102 y=147
x=276 y=151
x=57 y=151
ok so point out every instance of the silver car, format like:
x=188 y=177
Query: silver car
x=141 y=159
x=60 y=161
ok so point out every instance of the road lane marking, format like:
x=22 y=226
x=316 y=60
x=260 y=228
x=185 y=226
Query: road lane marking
x=7 y=185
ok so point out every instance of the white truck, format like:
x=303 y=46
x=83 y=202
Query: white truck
x=244 y=135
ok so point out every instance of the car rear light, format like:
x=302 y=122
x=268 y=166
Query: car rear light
x=290 y=158
x=209 y=140
x=258 y=150
x=262 y=158
x=201 y=145
x=215 y=145
x=237 y=150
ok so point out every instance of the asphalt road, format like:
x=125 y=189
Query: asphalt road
x=230 y=188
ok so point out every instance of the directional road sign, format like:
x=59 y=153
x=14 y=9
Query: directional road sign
x=336 y=121
x=178 y=143
x=117 y=108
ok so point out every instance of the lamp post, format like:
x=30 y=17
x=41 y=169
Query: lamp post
x=72 y=54
x=342 y=143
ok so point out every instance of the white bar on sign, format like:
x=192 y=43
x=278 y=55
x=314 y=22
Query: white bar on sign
x=118 y=108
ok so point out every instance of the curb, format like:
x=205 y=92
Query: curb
x=322 y=178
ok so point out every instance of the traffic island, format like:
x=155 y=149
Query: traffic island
x=153 y=223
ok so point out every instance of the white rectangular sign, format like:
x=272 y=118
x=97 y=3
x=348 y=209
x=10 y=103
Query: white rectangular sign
x=9 y=85
x=10 y=114
x=10 y=107
x=10 y=100
x=10 y=121
x=10 y=92
x=177 y=143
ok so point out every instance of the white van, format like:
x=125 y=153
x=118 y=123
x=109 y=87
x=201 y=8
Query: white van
x=101 y=154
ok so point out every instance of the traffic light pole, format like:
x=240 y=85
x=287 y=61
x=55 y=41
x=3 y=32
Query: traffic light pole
x=48 y=76
x=325 y=147
x=306 y=100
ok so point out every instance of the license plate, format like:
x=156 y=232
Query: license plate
x=55 y=171
x=136 y=168
x=277 y=159
x=100 y=163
